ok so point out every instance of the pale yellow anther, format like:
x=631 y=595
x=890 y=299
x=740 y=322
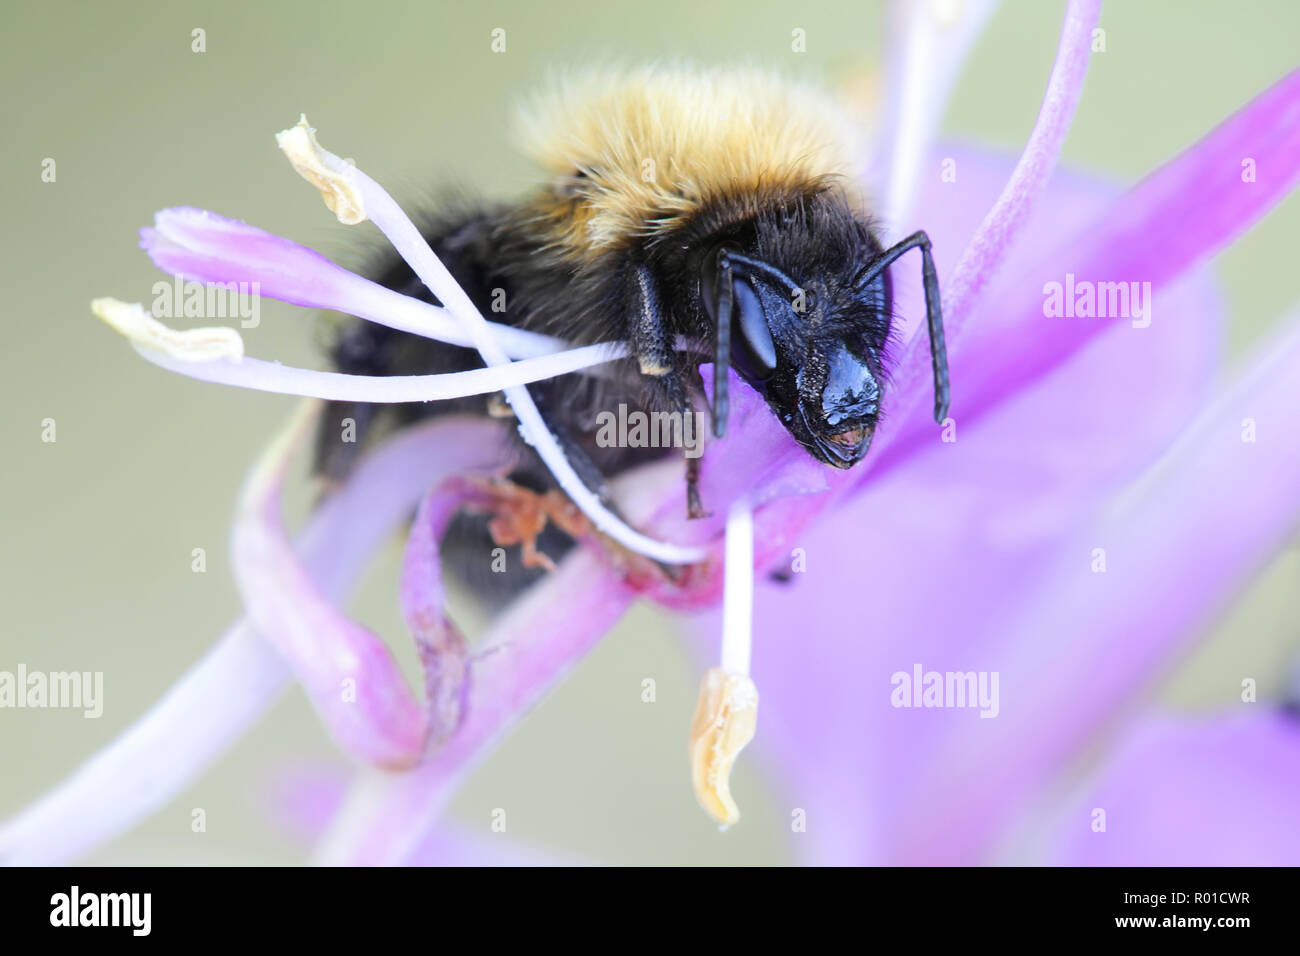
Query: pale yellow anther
x=187 y=345
x=323 y=170
x=724 y=723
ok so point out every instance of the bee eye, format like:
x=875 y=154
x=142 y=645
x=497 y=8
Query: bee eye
x=753 y=353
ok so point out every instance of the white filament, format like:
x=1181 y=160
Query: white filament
x=738 y=589
x=351 y=190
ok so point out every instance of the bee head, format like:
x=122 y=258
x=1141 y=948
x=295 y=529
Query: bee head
x=811 y=349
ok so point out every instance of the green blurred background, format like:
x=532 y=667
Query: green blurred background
x=100 y=525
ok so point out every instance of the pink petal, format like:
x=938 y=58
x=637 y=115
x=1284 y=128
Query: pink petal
x=443 y=650
x=233 y=685
x=1170 y=222
x=304 y=799
x=912 y=375
x=905 y=571
x=301 y=798
x=1192 y=791
x=992 y=241
x=201 y=246
x=347 y=671
x=204 y=247
x=528 y=650
x=454 y=844
x=213 y=704
x=758 y=457
x=1177 y=550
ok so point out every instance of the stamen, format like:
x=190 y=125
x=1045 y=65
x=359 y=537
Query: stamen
x=988 y=247
x=350 y=193
x=216 y=354
x=727 y=712
x=724 y=723
x=323 y=170
x=191 y=345
x=266 y=376
x=347 y=671
x=738 y=589
x=929 y=43
x=201 y=246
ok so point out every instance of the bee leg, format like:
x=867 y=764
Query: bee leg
x=654 y=349
x=651 y=338
x=670 y=392
x=518 y=515
x=694 y=505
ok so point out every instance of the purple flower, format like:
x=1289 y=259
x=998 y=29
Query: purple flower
x=1044 y=556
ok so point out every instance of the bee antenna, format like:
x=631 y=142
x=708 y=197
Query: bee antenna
x=758 y=265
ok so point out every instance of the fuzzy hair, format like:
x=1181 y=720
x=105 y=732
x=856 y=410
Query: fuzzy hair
x=633 y=154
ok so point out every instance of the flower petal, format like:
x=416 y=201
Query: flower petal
x=1200 y=791
x=531 y=646
x=230 y=688
x=303 y=800
x=927 y=46
x=454 y=845
x=354 y=197
x=201 y=246
x=1164 y=226
x=443 y=650
x=760 y=459
x=348 y=672
x=206 y=247
x=154 y=759
x=912 y=375
x=1112 y=632
x=904 y=571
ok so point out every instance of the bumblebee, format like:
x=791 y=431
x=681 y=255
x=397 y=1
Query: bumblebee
x=714 y=207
